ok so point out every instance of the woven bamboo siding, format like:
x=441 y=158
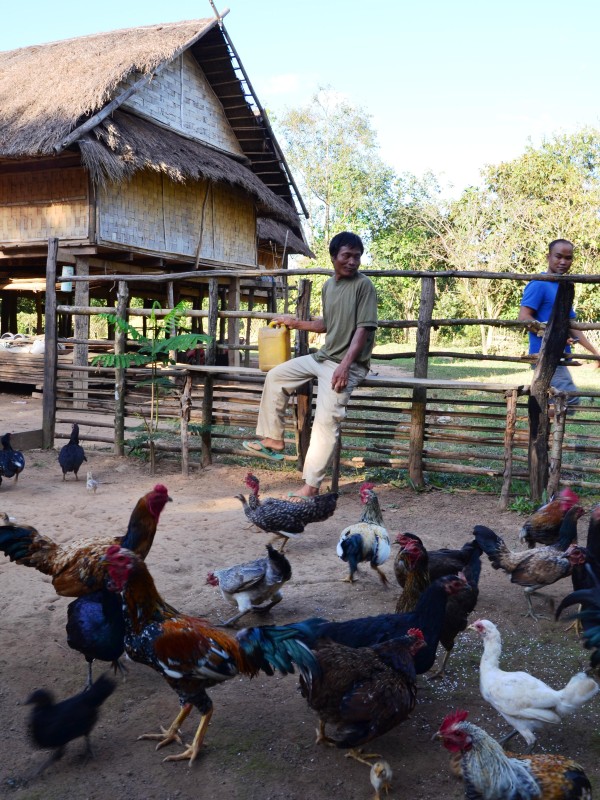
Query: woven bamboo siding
x=152 y=212
x=37 y=205
x=181 y=98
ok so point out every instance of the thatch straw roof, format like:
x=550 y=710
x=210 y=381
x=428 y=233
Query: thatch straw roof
x=271 y=231
x=46 y=90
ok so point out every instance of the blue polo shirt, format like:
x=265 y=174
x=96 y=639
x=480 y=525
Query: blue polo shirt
x=540 y=297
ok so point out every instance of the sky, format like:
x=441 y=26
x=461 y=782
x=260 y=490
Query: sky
x=449 y=86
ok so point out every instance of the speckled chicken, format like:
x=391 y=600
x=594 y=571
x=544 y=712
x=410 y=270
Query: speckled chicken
x=253 y=583
x=444 y=561
x=12 y=462
x=363 y=691
x=285 y=518
x=72 y=455
x=491 y=774
x=367 y=539
x=543 y=526
x=75 y=566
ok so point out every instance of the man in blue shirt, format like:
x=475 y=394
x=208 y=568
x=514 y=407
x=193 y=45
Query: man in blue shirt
x=537 y=304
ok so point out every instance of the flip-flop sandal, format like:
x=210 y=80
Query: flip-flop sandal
x=262 y=451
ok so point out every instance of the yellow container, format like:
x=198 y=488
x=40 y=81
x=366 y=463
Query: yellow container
x=273 y=346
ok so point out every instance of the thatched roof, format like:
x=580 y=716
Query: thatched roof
x=123 y=144
x=271 y=231
x=47 y=89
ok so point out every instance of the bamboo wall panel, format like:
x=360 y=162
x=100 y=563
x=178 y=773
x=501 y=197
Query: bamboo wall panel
x=152 y=212
x=37 y=205
x=181 y=98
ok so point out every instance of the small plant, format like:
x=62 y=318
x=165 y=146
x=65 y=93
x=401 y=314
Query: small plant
x=522 y=505
x=153 y=350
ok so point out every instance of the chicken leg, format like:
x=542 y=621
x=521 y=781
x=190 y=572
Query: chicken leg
x=165 y=737
x=192 y=750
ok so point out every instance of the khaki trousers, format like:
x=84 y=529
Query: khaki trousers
x=281 y=381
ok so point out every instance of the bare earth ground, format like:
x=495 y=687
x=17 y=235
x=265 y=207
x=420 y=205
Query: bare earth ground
x=260 y=743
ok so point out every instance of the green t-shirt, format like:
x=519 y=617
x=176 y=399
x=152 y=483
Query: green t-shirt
x=348 y=304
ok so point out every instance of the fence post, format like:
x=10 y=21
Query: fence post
x=82 y=331
x=233 y=323
x=209 y=360
x=120 y=373
x=509 y=435
x=186 y=409
x=50 y=349
x=419 y=397
x=304 y=393
x=560 y=418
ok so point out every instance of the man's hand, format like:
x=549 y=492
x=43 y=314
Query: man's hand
x=339 y=379
x=289 y=320
x=536 y=327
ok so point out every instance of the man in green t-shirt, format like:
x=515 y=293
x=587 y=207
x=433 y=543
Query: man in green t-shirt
x=349 y=323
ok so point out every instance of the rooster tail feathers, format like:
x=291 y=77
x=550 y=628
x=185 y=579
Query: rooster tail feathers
x=578 y=691
x=24 y=543
x=98 y=692
x=491 y=544
x=277 y=647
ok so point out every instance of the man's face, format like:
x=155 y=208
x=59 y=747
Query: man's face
x=347 y=262
x=560 y=259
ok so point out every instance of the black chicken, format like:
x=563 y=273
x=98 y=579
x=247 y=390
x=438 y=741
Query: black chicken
x=589 y=614
x=96 y=629
x=428 y=616
x=364 y=691
x=444 y=561
x=12 y=462
x=53 y=725
x=285 y=518
x=71 y=455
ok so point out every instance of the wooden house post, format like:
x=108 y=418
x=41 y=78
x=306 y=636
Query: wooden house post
x=509 y=435
x=50 y=349
x=120 y=373
x=419 y=398
x=558 y=435
x=304 y=393
x=82 y=334
x=553 y=346
x=249 y=327
x=233 y=323
x=210 y=358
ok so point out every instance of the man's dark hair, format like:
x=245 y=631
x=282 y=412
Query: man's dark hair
x=345 y=239
x=558 y=241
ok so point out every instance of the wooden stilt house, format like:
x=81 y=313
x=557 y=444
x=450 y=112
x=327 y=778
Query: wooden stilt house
x=142 y=150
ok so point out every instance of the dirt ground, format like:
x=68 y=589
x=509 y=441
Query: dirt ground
x=261 y=741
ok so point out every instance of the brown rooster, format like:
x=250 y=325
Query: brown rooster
x=364 y=691
x=543 y=526
x=444 y=561
x=189 y=653
x=75 y=567
x=285 y=518
x=539 y=567
x=491 y=774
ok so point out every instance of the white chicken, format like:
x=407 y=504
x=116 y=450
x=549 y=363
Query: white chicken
x=255 y=582
x=366 y=540
x=381 y=778
x=524 y=701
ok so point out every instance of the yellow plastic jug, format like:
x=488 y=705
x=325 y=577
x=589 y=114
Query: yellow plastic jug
x=273 y=346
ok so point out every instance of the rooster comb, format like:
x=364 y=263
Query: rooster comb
x=416 y=632
x=569 y=495
x=366 y=486
x=454 y=718
x=160 y=488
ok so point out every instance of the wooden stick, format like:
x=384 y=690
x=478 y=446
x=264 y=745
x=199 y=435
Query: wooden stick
x=120 y=374
x=50 y=349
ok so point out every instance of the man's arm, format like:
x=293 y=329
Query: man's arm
x=339 y=379
x=316 y=325
x=582 y=339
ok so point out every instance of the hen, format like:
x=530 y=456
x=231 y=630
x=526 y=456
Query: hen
x=71 y=455
x=524 y=701
x=491 y=774
x=53 y=725
x=444 y=561
x=284 y=518
x=12 y=462
x=543 y=525
x=253 y=583
x=363 y=691
x=366 y=540
x=539 y=567
x=75 y=567
x=458 y=606
x=96 y=629
x=428 y=616
x=188 y=652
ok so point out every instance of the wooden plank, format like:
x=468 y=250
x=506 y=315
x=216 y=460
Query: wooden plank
x=50 y=349
x=120 y=374
x=304 y=393
x=419 y=399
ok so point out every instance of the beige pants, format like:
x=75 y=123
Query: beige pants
x=331 y=408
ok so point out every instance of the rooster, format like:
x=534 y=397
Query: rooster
x=588 y=615
x=444 y=561
x=539 y=567
x=12 y=462
x=543 y=526
x=71 y=455
x=524 y=701
x=491 y=774
x=253 y=583
x=364 y=691
x=75 y=567
x=366 y=540
x=188 y=652
x=282 y=517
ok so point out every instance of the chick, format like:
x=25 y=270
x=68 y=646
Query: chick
x=92 y=483
x=381 y=778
